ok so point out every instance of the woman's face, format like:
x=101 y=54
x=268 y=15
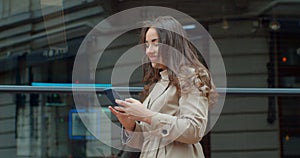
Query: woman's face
x=152 y=43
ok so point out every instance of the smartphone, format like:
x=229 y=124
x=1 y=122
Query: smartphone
x=112 y=95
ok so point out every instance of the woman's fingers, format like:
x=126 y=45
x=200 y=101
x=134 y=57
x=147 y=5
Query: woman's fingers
x=131 y=100
x=122 y=103
x=115 y=112
x=120 y=109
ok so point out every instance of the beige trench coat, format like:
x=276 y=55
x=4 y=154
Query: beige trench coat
x=177 y=127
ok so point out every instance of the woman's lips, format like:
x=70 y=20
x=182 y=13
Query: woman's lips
x=153 y=58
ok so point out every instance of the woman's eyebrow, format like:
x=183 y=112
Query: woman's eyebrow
x=152 y=40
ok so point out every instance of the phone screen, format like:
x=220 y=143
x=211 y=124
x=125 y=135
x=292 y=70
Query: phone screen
x=112 y=95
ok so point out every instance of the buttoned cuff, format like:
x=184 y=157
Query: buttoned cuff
x=161 y=124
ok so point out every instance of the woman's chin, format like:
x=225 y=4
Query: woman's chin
x=157 y=66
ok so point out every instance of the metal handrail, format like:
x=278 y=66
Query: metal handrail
x=61 y=89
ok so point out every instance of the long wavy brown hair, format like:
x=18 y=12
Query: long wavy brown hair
x=184 y=69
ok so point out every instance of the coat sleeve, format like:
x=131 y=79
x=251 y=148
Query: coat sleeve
x=189 y=125
x=133 y=139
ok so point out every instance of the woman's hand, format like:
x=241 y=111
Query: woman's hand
x=128 y=124
x=135 y=110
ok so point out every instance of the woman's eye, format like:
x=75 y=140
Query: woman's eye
x=153 y=45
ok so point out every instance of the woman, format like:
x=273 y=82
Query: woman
x=177 y=94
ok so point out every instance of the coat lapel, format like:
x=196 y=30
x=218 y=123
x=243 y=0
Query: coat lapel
x=158 y=90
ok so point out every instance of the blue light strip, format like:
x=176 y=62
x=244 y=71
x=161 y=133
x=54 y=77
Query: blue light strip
x=44 y=84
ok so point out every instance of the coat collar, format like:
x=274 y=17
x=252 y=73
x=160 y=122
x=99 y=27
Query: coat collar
x=164 y=75
x=160 y=87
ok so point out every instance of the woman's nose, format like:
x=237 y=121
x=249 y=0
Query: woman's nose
x=150 y=49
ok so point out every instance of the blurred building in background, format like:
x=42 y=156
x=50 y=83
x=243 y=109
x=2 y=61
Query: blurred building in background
x=259 y=41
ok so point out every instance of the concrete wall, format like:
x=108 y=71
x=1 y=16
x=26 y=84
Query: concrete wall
x=242 y=129
x=7 y=125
